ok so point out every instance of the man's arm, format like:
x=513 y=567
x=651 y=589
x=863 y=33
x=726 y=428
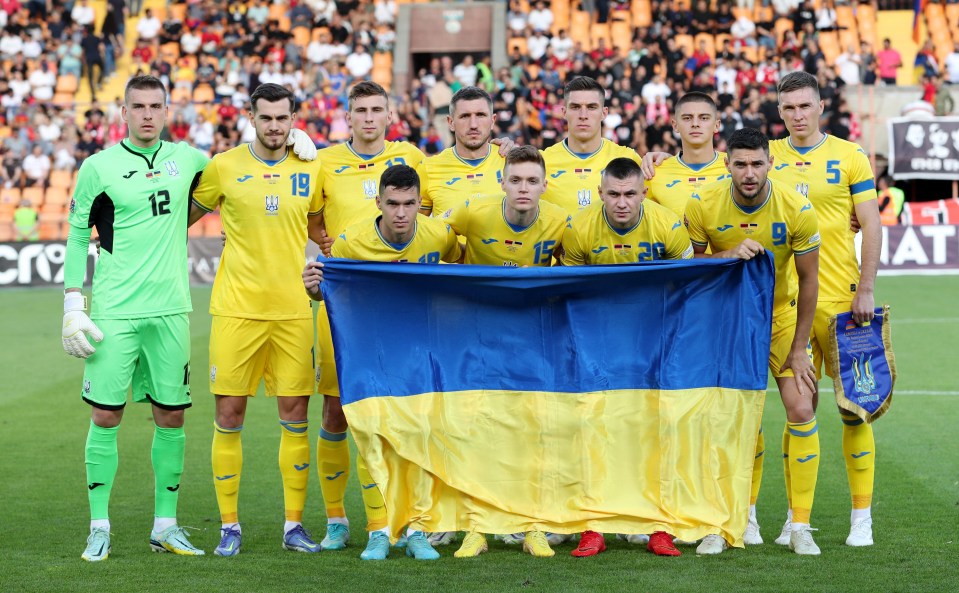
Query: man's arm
x=312 y=278
x=863 y=304
x=807 y=268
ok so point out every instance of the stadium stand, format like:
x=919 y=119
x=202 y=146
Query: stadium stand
x=213 y=53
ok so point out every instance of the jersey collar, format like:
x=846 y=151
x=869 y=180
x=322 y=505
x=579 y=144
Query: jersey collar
x=697 y=167
x=365 y=157
x=642 y=213
x=472 y=162
x=266 y=162
x=581 y=155
x=803 y=150
x=398 y=247
x=513 y=227
x=769 y=193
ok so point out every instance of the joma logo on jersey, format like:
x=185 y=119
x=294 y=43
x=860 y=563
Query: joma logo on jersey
x=171 y=168
x=558 y=173
x=672 y=183
x=272 y=205
x=453 y=180
x=341 y=169
x=584 y=197
x=244 y=178
x=369 y=188
x=781 y=166
x=803 y=188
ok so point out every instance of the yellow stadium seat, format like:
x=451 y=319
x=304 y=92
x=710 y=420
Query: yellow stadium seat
x=845 y=17
x=277 y=11
x=782 y=25
x=67 y=83
x=177 y=11
x=203 y=94
x=518 y=43
x=710 y=44
x=685 y=43
x=301 y=36
x=622 y=36
x=179 y=93
x=600 y=31
x=56 y=195
x=62 y=179
x=383 y=59
x=848 y=37
x=34 y=194
x=829 y=45
x=642 y=13
x=6 y=230
x=10 y=195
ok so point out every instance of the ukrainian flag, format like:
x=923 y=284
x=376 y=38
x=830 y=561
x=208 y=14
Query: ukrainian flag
x=622 y=399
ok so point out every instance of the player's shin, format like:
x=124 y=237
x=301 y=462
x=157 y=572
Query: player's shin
x=294 y=464
x=333 y=466
x=803 y=468
x=859 y=452
x=227 y=457
x=101 y=459
x=372 y=497
x=169 y=446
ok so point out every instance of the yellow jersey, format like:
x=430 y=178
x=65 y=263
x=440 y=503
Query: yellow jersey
x=264 y=208
x=350 y=181
x=785 y=223
x=450 y=179
x=433 y=241
x=658 y=235
x=676 y=181
x=572 y=179
x=835 y=175
x=492 y=241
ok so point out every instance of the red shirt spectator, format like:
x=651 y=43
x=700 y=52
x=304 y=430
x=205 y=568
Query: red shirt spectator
x=227 y=112
x=144 y=52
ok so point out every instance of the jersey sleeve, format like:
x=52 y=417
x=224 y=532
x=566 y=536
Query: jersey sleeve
x=427 y=198
x=459 y=219
x=805 y=236
x=862 y=184
x=316 y=202
x=573 y=253
x=694 y=222
x=678 y=245
x=209 y=192
x=451 y=253
x=341 y=248
x=87 y=189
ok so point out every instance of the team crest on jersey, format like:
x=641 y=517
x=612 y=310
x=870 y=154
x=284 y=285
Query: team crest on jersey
x=73 y=206
x=369 y=188
x=272 y=205
x=512 y=245
x=803 y=166
x=171 y=169
x=213 y=374
x=582 y=173
x=803 y=188
x=584 y=197
x=86 y=386
x=154 y=176
x=748 y=227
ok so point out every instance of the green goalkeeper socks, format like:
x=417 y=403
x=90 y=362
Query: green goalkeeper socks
x=101 y=460
x=169 y=446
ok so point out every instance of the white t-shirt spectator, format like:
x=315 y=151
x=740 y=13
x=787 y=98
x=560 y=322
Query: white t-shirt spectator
x=10 y=45
x=36 y=167
x=202 y=135
x=32 y=49
x=536 y=45
x=848 y=66
x=83 y=14
x=725 y=74
x=826 y=18
x=517 y=21
x=272 y=75
x=654 y=88
x=541 y=20
x=149 y=27
x=42 y=84
x=952 y=65
x=466 y=73
x=359 y=64
x=190 y=42
x=743 y=28
x=49 y=132
x=384 y=12
x=260 y=13
x=21 y=88
x=562 y=47
x=318 y=52
x=784 y=7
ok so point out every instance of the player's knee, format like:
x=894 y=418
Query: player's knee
x=168 y=418
x=107 y=418
x=293 y=408
x=230 y=411
x=800 y=411
x=333 y=418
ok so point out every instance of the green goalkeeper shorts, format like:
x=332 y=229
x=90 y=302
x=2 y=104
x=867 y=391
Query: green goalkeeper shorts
x=151 y=354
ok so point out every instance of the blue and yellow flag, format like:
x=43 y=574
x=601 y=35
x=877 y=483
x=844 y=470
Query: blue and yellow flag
x=622 y=399
x=863 y=364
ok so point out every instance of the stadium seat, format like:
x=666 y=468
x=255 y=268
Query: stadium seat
x=10 y=196
x=177 y=11
x=829 y=45
x=518 y=43
x=600 y=31
x=67 y=83
x=382 y=77
x=848 y=37
x=383 y=59
x=934 y=12
x=710 y=44
x=782 y=25
x=61 y=178
x=952 y=14
x=579 y=28
x=622 y=35
x=180 y=93
x=34 y=194
x=52 y=212
x=50 y=230
x=278 y=11
x=170 y=52
x=642 y=13
x=750 y=53
x=203 y=93
x=6 y=229
x=64 y=99
x=763 y=14
x=56 y=195
x=685 y=43
x=845 y=18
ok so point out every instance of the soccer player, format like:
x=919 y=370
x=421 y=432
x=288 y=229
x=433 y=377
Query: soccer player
x=574 y=165
x=837 y=178
x=399 y=233
x=742 y=218
x=471 y=168
x=625 y=229
x=262 y=326
x=349 y=178
x=136 y=193
x=516 y=230
x=698 y=164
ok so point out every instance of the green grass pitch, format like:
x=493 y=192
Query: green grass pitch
x=44 y=516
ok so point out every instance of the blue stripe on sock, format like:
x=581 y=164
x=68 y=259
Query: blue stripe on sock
x=294 y=426
x=854 y=421
x=219 y=428
x=332 y=436
x=804 y=433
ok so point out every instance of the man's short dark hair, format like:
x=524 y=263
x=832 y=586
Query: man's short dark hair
x=399 y=177
x=622 y=168
x=584 y=83
x=798 y=80
x=524 y=154
x=365 y=89
x=470 y=93
x=696 y=97
x=144 y=82
x=747 y=139
x=271 y=93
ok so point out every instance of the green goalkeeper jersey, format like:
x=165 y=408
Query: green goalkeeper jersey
x=139 y=200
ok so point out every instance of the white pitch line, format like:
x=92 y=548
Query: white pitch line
x=927 y=320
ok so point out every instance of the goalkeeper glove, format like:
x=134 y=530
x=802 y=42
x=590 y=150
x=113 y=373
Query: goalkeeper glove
x=302 y=144
x=76 y=326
